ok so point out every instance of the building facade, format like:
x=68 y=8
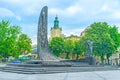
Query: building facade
x=73 y=37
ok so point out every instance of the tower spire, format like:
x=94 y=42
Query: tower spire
x=56 y=23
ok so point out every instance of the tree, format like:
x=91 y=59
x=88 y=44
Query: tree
x=77 y=48
x=115 y=35
x=57 y=45
x=8 y=38
x=103 y=44
x=14 y=32
x=68 y=47
x=24 y=44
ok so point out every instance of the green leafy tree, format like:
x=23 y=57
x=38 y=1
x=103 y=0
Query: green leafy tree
x=115 y=35
x=57 y=45
x=24 y=44
x=103 y=44
x=14 y=31
x=8 y=38
x=68 y=47
x=77 y=48
x=83 y=44
x=3 y=29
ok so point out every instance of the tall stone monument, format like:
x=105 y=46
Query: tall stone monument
x=42 y=40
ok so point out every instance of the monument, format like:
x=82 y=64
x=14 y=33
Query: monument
x=91 y=58
x=89 y=42
x=42 y=41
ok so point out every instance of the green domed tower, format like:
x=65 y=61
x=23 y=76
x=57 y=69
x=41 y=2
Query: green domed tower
x=56 y=31
x=56 y=23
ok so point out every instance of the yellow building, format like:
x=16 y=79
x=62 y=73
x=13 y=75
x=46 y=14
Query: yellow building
x=56 y=31
x=73 y=37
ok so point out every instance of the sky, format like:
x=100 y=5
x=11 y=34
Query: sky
x=74 y=15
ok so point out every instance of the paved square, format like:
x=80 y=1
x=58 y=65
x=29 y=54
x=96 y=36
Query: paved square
x=96 y=75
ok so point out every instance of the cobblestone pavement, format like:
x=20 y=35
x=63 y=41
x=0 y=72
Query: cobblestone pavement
x=95 y=75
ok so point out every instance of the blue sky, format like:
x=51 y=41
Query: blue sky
x=74 y=15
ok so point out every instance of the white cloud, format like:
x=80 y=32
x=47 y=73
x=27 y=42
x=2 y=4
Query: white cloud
x=19 y=2
x=27 y=7
x=18 y=18
x=116 y=15
x=73 y=10
x=111 y=8
x=13 y=1
x=6 y=12
x=104 y=7
x=69 y=11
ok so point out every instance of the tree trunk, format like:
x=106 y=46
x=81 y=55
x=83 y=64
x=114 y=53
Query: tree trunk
x=108 y=61
x=102 y=59
x=73 y=56
x=77 y=57
x=67 y=56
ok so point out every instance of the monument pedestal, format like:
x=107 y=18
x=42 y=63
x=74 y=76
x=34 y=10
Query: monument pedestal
x=91 y=60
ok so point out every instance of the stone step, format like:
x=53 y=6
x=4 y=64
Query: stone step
x=43 y=64
x=46 y=70
x=34 y=68
x=29 y=70
x=32 y=71
x=23 y=70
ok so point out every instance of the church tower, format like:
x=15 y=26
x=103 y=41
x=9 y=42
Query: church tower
x=56 y=31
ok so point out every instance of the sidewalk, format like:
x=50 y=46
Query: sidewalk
x=2 y=65
x=96 y=75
